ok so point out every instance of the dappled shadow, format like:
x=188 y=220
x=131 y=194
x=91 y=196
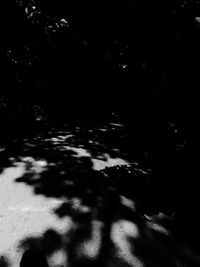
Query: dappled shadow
x=119 y=215
x=81 y=139
x=113 y=234
x=57 y=159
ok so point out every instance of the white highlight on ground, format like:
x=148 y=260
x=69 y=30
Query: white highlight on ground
x=108 y=162
x=121 y=231
x=128 y=203
x=90 y=248
x=58 y=259
x=81 y=152
x=98 y=164
x=24 y=214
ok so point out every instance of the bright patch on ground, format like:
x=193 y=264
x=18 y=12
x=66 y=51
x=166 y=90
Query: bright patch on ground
x=121 y=231
x=23 y=214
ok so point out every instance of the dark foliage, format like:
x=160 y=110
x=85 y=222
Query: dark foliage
x=81 y=57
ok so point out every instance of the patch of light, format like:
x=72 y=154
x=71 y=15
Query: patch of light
x=102 y=129
x=37 y=166
x=54 y=139
x=197 y=19
x=109 y=162
x=77 y=205
x=42 y=163
x=141 y=171
x=121 y=231
x=91 y=248
x=63 y=137
x=128 y=203
x=64 y=22
x=59 y=138
x=124 y=229
x=81 y=152
x=24 y=214
x=117 y=124
x=157 y=227
x=59 y=258
x=123 y=66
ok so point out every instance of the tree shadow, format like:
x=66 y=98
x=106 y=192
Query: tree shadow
x=42 y=139
x=111 y=209
x=108 y=230
x=33 y=257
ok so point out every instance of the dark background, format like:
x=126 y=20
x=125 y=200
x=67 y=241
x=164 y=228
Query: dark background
x=137 y=61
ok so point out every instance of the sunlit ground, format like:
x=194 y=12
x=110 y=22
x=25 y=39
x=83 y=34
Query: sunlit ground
x=24 y=214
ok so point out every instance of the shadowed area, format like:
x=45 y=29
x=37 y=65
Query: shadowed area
x=4 y=262
x=33 y=257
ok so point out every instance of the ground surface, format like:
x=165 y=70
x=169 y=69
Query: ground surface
x=55 y=194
